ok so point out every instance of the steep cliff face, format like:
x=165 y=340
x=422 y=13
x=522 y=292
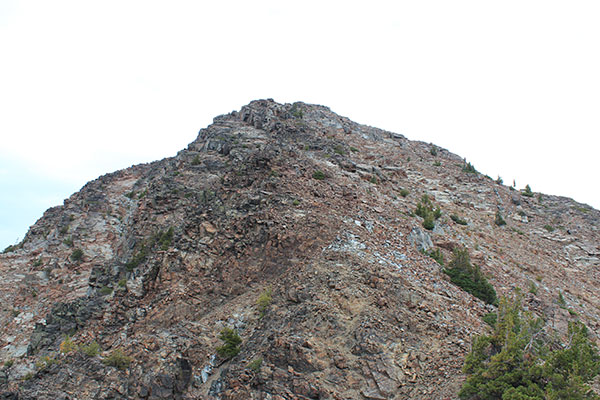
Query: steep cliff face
x=295 y=227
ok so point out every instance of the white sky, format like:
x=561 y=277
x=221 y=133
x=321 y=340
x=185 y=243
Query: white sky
x=89 y=87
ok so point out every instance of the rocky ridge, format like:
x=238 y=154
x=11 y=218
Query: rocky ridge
x=296 y=201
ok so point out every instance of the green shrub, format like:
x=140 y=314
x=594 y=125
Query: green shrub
x=425 y=206
x=138 y=258
x=164 y=239
x=428 y=222
x=572 y=312
x=532 y=287
x=9 y=363
x=518 y=361
x=130 y=195
x=437 y=255
x=106 y=290
x=318 y=175
x=255 y=364
x=527 y=192
x=404 y=192
x=433 y=151
x=296 y=111
x=499 y=181
x=45 y=362
x=68 y=241
x=469 y=277
x=426 y=210
x=91 y=350
x=117 y=359
x=582 y=209
x=499 y=220
x=68 y=346
x=9 y=249
x=77 y=255
x=490 y=319
x=468 y=167
x=122 y=282
x=458 y=219
x=14 y=247
x=561 y=300
x=437 y=164
x=549 y=228
x=263 y=301
x=231 y=343
x=196 y=160
x=353 y=149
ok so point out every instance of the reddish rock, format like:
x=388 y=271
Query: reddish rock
x=321 y=278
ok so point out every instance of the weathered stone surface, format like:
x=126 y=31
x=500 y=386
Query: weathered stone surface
x=516 y=199
x=420 y=239
x=176 y=250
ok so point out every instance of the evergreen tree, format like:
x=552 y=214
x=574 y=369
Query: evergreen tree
x=519 y=361
x=469 y=277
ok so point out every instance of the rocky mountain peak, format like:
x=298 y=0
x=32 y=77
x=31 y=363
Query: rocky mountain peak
x=284 y=254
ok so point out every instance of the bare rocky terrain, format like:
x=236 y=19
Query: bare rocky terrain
x=314 y=215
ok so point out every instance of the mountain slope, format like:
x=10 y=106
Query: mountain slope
x=295 y=201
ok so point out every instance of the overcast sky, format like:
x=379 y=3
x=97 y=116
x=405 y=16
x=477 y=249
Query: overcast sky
x=89 y=87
